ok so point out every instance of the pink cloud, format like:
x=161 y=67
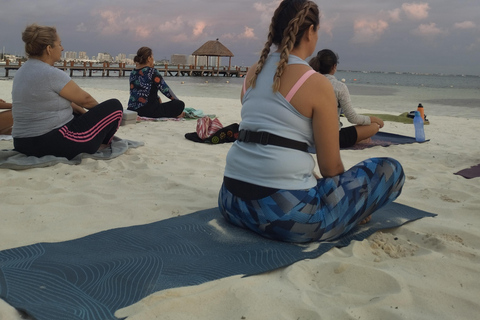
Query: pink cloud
x=173 y=25
x=248 y=34
x=416 y=11
x=326 y=24
x=394 y=15
x=110 y=23
x=368 y=31
x=143 y=32
x=465 y=25
x=179 y=38
x=198 y=28
x=428 y=31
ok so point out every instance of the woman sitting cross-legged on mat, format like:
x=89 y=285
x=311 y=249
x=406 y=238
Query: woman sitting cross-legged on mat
x=326 y=62
x=145 y=82
x=44 y=99
x=287 y=108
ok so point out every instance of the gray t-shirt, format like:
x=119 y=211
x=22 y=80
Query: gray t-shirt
x=37 y=106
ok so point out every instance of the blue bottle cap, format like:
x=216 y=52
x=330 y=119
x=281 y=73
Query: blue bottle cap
x=417 y=113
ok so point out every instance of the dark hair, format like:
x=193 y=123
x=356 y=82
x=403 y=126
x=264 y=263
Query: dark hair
x=324 y=61
x=38 y=38
x=289 y=23
x=142 y=55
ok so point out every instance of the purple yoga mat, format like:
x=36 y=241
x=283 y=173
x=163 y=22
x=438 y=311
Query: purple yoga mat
x=472 y=172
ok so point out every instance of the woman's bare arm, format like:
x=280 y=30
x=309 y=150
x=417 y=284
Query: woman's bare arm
x=73 y=93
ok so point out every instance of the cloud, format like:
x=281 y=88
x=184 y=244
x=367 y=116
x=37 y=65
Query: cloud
x=416 y=11
x=143 y=32
x=248 y=34
x=326 y=24
x=428 y=31
x=81 y=27
x=465 y=25
x=198 y=28
x=266 y=10
x=368 y=30
x=180 y=38
x=394 y=15
x=171 y=26
x=110 y=23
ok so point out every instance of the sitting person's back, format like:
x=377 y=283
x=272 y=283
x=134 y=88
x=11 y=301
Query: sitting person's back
x=287 y=108
x=45 y=100
x=267 y=111
x=145 y=83
x=43 y=109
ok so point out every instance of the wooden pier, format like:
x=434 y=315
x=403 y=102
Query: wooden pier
x=122 y=70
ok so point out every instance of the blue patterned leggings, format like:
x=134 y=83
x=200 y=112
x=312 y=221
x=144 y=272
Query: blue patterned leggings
x=325 y=212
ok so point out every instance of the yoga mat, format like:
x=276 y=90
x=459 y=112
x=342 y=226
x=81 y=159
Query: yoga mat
x=402 y=118
x=11 y=159
x=384 y=139
x=470 y=173
x=92 y=277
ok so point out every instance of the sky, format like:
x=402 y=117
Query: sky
x=441 y=36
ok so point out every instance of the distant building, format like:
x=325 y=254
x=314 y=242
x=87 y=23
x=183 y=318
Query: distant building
x=10 y=57
x=201 y=61
x=121 y=57
x=70 y=55
x=104 y=57
x=82 y=55
x=162 y=62
x=178 y=59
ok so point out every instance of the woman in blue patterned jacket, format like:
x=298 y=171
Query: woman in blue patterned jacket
x=145 y=82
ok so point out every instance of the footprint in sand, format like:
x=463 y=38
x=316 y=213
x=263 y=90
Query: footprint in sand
x=394 y=247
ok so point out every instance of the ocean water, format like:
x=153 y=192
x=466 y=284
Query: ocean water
x=446 y=95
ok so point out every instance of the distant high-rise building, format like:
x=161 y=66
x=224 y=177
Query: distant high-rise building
x=104 y=57
x=82 y=55
x=121 y=57
x=201 y=60
x=70 y=55
x=178 y=59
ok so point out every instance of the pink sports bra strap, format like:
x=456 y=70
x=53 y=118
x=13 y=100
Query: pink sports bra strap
x=244 y=85
x=299 y=83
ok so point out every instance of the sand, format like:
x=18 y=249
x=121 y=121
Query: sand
x=427 y=269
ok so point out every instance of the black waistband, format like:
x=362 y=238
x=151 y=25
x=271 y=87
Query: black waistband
x=270 y=138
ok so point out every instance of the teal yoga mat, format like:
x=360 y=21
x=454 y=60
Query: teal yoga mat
x=92 y=277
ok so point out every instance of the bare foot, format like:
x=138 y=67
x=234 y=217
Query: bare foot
x=365 y=141
x=366 y=220
x=181 y=115
x=102 y=146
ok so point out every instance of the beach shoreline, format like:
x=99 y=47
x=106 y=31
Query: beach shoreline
x=427 y=269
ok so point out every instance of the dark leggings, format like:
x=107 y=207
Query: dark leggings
x=171 y=109
x=83 y=134
x=348 y=137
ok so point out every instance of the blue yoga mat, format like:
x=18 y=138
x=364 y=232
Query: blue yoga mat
x=385 y=139
x=92 y=277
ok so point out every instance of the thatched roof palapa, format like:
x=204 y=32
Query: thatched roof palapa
x=213 y=48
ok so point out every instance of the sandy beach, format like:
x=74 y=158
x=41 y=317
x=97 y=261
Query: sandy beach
x=427 y=269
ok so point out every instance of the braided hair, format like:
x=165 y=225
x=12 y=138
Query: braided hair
x=289 y=23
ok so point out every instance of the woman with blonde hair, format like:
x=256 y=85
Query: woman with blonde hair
x=289 y=109
x=45 y=98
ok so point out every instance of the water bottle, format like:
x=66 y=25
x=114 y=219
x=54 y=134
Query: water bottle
x=419 y=131
x=421 y=110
